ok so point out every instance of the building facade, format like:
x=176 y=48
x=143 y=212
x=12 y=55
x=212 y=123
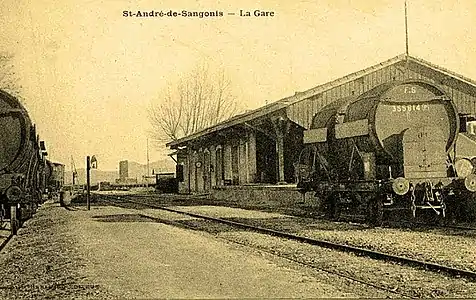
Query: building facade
x=261 y=147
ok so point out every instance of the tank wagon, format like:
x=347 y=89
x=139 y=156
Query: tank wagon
x=54 y=174
x=391 y=148
x=166 y=183
x=22 y=163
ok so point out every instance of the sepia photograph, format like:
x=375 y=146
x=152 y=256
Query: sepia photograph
x=237 y=149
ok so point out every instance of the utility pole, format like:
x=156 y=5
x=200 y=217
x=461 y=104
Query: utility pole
x=73 y=170
x=406 y=73
x=94 y=163
x=88 y=182
x=406 y=29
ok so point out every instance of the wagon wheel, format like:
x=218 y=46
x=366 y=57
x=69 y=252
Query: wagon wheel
x=14 y=224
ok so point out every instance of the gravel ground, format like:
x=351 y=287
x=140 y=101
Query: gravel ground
x=114 y=253
x=404 y=281
x=455 y=248
x=43 y=262
x=136 y=257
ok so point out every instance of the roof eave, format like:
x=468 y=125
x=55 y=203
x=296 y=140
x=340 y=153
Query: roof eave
x=300 y=96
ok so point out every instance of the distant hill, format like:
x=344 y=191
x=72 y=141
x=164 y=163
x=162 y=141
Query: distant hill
x=96 y=176
x=136 y=170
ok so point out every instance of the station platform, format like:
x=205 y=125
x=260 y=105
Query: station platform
x=279 y=196
x=109 y=252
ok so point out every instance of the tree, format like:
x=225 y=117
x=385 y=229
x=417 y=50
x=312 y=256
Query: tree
x=197 y=101
x=8 y=79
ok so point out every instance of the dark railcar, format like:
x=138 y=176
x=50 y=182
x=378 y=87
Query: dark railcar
x=390 y=148
x=22 y=162
x=166 y=183
x=54 y=174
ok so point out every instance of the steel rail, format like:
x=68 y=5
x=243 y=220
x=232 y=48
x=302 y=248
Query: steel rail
x=389 y=223
x=294 y=260
x=326 y=244
x=5 y=242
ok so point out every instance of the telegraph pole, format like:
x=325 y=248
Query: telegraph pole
x=89 y=161
x=75 y=173
x=406 y=29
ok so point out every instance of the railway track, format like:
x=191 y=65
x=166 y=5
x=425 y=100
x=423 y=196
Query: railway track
x=274 y=253
x=5 y=242
x=5 y=239
x=390 y=224
x=321 y=243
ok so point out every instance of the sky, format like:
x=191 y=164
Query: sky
x=89 y=74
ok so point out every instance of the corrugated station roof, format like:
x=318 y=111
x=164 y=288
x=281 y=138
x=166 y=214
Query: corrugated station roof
x=300 y=96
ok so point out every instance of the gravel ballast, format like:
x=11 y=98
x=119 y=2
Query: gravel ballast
x=405 y=281
x=115 y=253
x=450 y=247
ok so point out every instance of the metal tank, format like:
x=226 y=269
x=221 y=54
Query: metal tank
x=16 y=146
x=21 y=163
x=413 y=117
x=410 y=125
x=391 y=147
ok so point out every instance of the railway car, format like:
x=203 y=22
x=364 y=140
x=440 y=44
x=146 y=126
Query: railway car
x=166 y=183
x=22 y=163
x=54 y=177
x=392 y=148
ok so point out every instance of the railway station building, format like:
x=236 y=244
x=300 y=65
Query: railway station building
x=257 y=150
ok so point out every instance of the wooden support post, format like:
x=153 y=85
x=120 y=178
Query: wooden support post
x=281 y=127
x=280 y=154
x=251 y=153
x=189 y=170
x=227 y=157
x=213 y=166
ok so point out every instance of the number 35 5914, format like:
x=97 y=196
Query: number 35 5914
x=413 y=107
